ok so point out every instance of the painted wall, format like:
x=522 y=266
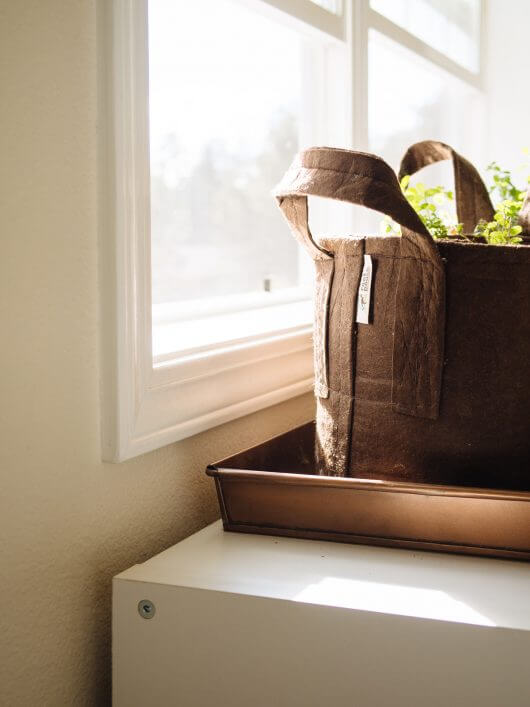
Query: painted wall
x=508 y=72
x=68 y=521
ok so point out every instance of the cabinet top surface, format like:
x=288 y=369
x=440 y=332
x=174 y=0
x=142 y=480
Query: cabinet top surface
x=472 y=590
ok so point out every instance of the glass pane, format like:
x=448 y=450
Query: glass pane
x=225 y=101
x=410 y=100
x=450 y=26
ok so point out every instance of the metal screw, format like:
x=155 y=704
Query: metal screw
x=146 y=609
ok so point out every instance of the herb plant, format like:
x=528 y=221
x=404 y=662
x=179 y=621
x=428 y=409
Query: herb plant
x=504 y=229
x=430 y=203
x=431 y=206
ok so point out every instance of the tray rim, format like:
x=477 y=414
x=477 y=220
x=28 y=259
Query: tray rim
x=375 y=485
x=222 y=476
x=218 y=468
x=225 y=476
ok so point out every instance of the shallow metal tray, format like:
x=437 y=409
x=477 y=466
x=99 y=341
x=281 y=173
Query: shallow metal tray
x=272 y=489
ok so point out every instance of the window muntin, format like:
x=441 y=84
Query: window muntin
x=334 y=6
x=450 y=26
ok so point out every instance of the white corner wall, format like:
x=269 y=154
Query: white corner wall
x=507 y=77
x=70 y=522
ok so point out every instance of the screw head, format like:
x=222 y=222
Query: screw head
x=146 y=609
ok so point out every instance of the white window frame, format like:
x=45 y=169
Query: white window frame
x=146 y=406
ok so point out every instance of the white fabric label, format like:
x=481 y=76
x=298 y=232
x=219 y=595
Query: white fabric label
x=365 y=289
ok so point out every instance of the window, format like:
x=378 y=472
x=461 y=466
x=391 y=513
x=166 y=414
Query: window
x=209 y=101
x=452 y=27
x=219 y=142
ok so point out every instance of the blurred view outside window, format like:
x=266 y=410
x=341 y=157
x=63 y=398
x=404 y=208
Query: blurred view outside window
x=224 y=119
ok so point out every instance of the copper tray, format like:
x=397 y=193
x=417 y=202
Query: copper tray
x=272 y=489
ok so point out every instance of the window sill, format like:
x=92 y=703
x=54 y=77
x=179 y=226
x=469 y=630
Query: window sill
x=201 y=325
x=173 y=402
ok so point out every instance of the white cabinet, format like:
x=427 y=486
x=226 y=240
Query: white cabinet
x=255 y=621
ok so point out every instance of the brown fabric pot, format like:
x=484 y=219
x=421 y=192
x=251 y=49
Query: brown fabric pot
x=438 y=379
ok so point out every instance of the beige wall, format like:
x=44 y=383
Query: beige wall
x=70 y=522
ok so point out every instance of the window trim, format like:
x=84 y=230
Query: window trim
x=146 y=406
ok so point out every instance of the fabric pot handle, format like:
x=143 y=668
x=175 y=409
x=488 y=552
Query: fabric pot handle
x=367 y=180
x=473 y=202
x=356 y=177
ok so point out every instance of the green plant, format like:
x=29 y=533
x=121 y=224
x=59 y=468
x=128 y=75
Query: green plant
x=430 y=203
x=431 y=206
x=504 y=229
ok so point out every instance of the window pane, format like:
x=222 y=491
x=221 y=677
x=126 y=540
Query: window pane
x=450 y=26
x=225 y=98
x=411 y=99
